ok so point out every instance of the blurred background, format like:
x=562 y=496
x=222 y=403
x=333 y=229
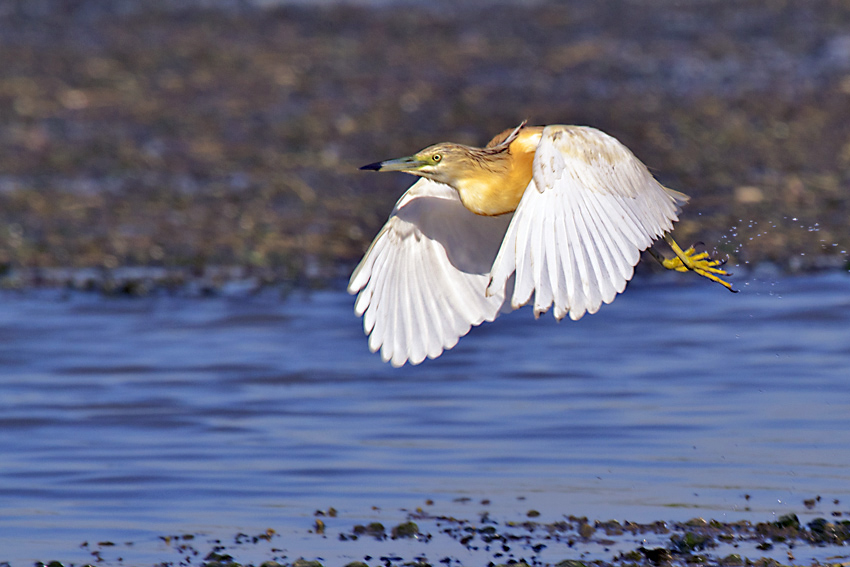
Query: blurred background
x=184 y=136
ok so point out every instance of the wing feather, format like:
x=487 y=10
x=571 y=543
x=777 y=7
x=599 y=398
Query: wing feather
x=590 y=252
x=603 y=258
x=524 y=285
x=364 y=300
x=425 y=310
x=543 y=297
x=567 y=262
x=403 y=338
x=582 y=299
x=421 y=284
x=555 y=276
x=577 y=234
x=446 y=319
x=621 y=253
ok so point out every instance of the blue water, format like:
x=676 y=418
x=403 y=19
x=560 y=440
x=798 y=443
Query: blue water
x=125 y=420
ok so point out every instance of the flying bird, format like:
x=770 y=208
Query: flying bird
x=556 y=216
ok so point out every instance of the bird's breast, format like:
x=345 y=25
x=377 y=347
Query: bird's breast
x=498 y=190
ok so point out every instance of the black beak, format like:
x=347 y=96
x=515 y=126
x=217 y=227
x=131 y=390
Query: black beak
x=373 y=166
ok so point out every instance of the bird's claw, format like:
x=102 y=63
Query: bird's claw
x=700 y=262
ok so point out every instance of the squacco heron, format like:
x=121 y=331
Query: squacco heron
x=558 y=212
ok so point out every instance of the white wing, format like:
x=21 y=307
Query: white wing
x=581 y=224
x=422 y=280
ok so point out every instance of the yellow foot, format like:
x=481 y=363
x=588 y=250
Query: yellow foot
x=700 y=262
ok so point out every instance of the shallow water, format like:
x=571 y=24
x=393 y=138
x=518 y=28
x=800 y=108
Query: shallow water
x=124 y=420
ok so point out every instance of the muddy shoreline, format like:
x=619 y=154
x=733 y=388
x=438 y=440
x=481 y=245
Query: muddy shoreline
x=527 y=541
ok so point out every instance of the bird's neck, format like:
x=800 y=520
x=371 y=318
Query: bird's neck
x=496 y=187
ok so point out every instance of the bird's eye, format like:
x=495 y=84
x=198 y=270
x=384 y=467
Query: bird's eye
x=436 y=158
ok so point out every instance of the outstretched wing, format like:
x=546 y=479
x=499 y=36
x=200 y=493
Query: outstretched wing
x=581 y=224
x=421 y=283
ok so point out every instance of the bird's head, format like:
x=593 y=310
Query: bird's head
x=450 y=163
x=443 y=162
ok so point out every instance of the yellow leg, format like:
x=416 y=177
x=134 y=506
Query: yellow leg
x=689 y=260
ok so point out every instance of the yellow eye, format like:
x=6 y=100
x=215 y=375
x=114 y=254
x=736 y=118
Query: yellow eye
x=436 y=158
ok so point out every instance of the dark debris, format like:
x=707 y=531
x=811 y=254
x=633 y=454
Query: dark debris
x=695 y=542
